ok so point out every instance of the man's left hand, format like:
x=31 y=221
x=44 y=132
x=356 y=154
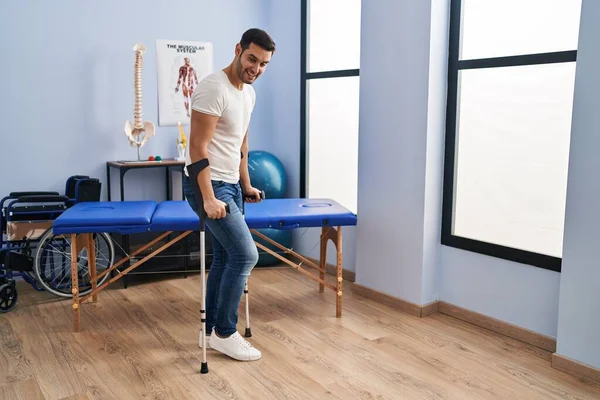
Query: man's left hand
x=252 y=195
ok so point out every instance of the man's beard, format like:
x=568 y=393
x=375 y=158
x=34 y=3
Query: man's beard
x=240 y=73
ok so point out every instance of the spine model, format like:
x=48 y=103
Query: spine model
x=139 y=131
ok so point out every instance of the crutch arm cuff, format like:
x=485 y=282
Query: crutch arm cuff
x=195 y=168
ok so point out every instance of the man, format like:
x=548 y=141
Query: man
x=188 y=80
x=221 y=108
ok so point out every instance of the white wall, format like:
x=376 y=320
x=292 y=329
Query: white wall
x=282 y=83
x=393 y=139
x=436 y=131
x=579 y=307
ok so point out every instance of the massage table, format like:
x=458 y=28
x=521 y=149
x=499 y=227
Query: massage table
x=83 y=220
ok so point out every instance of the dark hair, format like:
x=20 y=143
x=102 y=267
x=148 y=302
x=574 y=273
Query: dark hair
x=259 y=38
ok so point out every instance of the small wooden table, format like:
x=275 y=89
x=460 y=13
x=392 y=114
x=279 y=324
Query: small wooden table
x=123 y=166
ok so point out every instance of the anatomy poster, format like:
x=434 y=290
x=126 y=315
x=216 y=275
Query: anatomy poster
x=180 y=66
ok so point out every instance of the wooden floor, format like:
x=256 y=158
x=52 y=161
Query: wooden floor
x=141 y=343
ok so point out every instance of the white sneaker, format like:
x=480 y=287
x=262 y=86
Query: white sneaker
x=200 y=339
x=235 y=346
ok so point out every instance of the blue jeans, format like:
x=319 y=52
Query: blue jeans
x=234 y=256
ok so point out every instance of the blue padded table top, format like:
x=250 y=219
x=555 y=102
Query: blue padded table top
x=106 y=216
x=176 y=215
x=297 y=213
x=270 y=213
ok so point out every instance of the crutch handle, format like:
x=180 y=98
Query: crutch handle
x=262 y=196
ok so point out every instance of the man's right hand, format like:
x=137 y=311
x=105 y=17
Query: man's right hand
x=215 y=209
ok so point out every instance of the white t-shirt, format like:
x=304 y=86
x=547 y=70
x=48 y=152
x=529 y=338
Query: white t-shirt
x=215 y=95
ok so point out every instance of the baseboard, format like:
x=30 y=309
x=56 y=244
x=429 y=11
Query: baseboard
x=495 y=325
x=430 y=308
x=394 y=302
x=575 y=368
x=484 y=321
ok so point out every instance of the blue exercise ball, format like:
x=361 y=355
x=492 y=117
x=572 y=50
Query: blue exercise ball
x=267 y=173
x=281 y=236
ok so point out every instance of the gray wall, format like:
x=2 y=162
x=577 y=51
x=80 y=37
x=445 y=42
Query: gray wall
x=579 y=306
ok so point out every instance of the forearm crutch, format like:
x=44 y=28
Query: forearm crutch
x=193 y=171
x=248 y=332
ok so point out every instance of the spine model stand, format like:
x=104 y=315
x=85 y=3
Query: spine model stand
x=139 y=131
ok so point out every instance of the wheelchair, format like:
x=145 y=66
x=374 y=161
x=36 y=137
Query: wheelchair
x=30 y=250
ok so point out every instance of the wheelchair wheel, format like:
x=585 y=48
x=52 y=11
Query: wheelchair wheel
x=8 y=296
x=52 y=265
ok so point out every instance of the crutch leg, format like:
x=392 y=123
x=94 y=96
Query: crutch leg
x=248 y=331
x=194 y=170
x=204 y=366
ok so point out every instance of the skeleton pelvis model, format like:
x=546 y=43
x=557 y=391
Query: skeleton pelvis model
x=139 y=131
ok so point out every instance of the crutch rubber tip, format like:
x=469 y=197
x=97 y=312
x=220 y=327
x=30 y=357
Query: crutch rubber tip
x=248 y=333
x=204 y=368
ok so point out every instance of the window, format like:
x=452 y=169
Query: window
x=510 y=93
x=330 y=100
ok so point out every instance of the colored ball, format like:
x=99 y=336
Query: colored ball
x=281 y=236
x=157 y=158
x=267 y=173
x=151 y=158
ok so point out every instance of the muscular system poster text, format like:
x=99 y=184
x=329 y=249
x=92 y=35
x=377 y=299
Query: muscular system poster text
x=180 y=66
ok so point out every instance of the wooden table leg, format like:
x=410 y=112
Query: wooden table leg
x=75 y=281
x=323 y=256
x=91 y=250
x=340 y=279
